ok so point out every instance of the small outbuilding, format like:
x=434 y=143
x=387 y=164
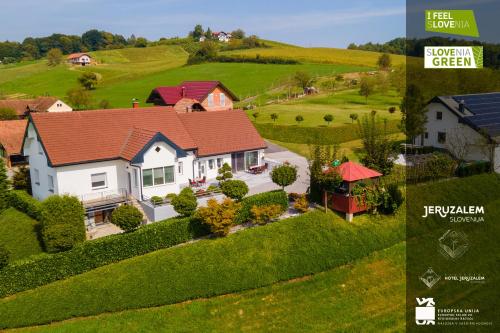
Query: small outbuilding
x=342 y=199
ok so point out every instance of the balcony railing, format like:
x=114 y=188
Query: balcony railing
x=104 y=197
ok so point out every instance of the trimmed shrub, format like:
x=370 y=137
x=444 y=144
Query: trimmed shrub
x=156 y=200
x=474 y=168
x=265 y=214
x=185 y=203
x=224 y=173
x=391 y=199
x=4 y=257
x=277 y=197
x=126 y=217
x=218 y=216
x=62 y=221
x=234 y=189
x=284 y=175
x=301 y=204
x=25 y=203
x=47 y=268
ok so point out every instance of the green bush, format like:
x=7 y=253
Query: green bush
x=62 y=221
x=219 y=217
x=234 y=189
x=156 y=200
x=284 y=175
x=47 y=268
x=295 y=247
x=392 y=199
x=474 y=168
x=126 y=217
x=278 y=197
x=4 y=257
x=185 y=203
x=25 y=203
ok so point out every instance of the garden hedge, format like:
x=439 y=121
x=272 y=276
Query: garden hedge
x=316 y=135
x=291 y=248
x=277 y=197
x=45 y=268
x=25 y=203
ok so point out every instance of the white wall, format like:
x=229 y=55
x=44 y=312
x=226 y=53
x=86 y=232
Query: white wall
x=60 y=106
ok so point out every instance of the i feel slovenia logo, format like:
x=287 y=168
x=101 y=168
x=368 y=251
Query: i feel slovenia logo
x=453 y=56
x=456 y=22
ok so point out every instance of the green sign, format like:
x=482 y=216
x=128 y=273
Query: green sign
x=456 y=22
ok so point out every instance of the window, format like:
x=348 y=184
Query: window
x=158 y=176
x=147 y=177
x=37 y=177
x=252 y=159
x=98 y=180
x=201 y=169
x=210 y=99
x=51 y=183
x=211 y=164
x=169 y=174
x=136 y=178
x=40 y=148
x=439 y=115
x=441 y=137
x=222 y=99
x=180 y=168
x=220 y=161
x=426 y=135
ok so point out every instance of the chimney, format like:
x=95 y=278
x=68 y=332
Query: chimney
x=183 y=91
x=461 y=106
x=135 y=103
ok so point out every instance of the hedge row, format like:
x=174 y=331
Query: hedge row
x=25 y=203
x=277 y=197
x=257 y=60
x=44 y=268
x=316 y=135
x=307 y=244
x=474 y=168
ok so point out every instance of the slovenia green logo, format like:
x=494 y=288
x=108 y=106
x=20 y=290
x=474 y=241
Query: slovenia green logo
x=456 y=22
x=453 y=56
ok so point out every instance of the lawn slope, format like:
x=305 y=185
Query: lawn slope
x=18 y=234
x=368 y=296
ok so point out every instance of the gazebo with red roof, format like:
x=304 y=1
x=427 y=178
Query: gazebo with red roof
x=343 y=200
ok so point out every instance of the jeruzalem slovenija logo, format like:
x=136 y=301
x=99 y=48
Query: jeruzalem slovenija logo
x=456 y=22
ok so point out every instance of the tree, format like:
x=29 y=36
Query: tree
x=299 y=119
x=413 y=113
x=79 y=98
x=208 y=34
x=4 y=256
x=218 y=216
x=384 y=61
x=238 y=34
x=8 y=114
x=234 y=189
x=88 y=80
x=284 y=175
x=54 y=57
x=224 y=173
x=21 y=179
x=141 y=42
x=208 y=51
x=62 y=222
x=328 y=118
x=366 y=88
x=4 y=185
x=197 y=32
x=127 y=217
x=353 y=116
x=274 y=116
x=185 y=202
x=303 y=79
x=255 y=115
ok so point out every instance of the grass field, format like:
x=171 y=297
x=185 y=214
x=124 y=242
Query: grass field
x=318 y=55
x=367 y=295
x=18 y=234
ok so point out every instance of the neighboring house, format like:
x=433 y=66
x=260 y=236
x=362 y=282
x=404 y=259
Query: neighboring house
x=81 y=59
x=11 y=141
x=194 y=96
x=106 y=157
x=466 y=125
x=23 y=107
x=222 y=36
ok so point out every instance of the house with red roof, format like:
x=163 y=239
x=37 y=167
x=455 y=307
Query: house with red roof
x=106 y=157
x=11 y=141
x=81 y=59
x=23 y=107
x=192 y=96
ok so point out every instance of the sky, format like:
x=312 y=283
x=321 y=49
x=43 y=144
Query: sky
x=329 y=23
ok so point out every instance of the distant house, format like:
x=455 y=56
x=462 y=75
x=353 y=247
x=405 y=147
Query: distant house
x=466 y=125
x=23 y=107
x=82 y=59
x=222 y=36
x=11 y=141
x=194 y=96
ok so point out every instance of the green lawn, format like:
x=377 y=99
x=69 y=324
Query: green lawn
x=368 y=296
x=18 y=234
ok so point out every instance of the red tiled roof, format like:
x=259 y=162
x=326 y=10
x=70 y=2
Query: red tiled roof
x=351 y=172
x=76 y=55
x=21 y=106
x=12 y=135
x=197 y=90
x=84 y=136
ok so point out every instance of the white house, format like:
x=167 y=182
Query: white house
x=23 y=107
x=222 y=36
x=467 y=125
x=106 y=157
x=82 y=59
